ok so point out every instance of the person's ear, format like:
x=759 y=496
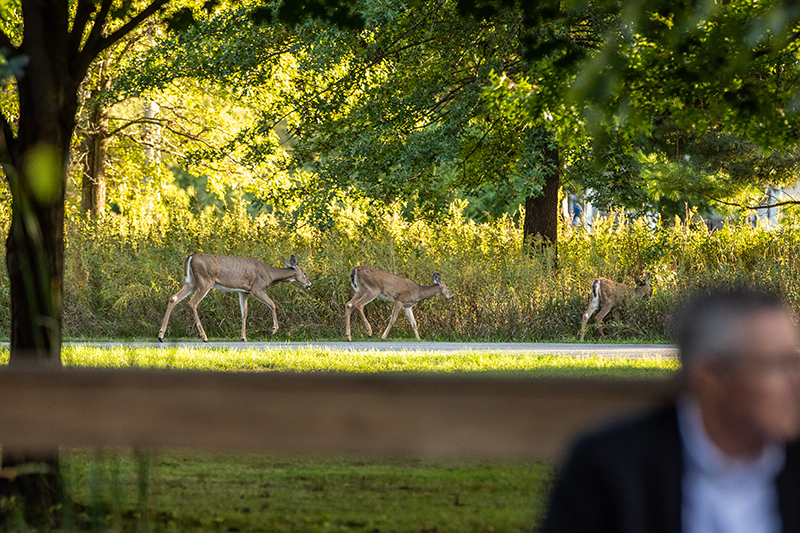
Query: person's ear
x=705 y=377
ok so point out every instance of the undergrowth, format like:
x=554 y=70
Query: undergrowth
x=121 y=271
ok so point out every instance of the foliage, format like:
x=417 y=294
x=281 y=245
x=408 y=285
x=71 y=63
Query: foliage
x=390 y=111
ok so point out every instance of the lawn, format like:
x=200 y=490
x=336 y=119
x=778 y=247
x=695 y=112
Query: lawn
x=190 y=490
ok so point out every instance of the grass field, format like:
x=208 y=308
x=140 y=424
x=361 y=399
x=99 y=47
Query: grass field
x=327 y=360
x=189 y=490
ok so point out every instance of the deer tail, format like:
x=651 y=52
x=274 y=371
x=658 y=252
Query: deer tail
x=354 y=278
x=595 y=295
x=188 y=276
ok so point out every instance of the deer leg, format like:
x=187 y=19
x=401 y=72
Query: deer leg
x=185 y=291
x=243 y=307
x=358 y=302
x=600 y=316
x=262 y=296
x=395 y=313
x=193 y=303
x=410 y=315
x=593 y=304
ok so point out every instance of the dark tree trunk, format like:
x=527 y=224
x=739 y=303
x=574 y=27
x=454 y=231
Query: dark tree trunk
x=93 y=189
x=34 y=161
x=34 y=164
x=541 y=212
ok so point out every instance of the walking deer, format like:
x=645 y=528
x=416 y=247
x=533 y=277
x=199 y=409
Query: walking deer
x=370 y=283
x=611 y=294
x=203 y=272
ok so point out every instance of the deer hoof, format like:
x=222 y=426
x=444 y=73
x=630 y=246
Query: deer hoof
x=274 y=331
x=243 y=339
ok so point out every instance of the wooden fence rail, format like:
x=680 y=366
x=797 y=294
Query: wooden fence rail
x=382 y=414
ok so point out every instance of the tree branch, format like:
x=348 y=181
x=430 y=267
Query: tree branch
x=82 y=13
x=96 y=43
x=753 y=207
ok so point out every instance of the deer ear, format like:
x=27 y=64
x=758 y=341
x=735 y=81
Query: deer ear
x=437 y=279
x=647 y=278
x=637 y=280
x=293 y=261
x=286 y=264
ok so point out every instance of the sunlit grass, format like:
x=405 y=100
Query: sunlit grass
x=314 y=359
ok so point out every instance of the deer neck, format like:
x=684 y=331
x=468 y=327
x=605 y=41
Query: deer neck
x=428 y=291
x=282 y=274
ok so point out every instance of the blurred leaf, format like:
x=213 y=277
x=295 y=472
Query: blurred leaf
x=43 y=166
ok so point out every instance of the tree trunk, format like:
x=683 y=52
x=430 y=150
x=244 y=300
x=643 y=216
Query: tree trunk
x=93 y=189
x=541 y=211
x=34 y=162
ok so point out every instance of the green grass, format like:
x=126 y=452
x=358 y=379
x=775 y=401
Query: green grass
x=327 y=360
x=194 y=491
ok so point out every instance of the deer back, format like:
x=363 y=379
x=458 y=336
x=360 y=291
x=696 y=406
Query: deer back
x=616 y=293
x=235 y=273
x=390 y=286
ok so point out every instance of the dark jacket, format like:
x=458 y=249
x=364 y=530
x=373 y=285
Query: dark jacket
x=627 y=479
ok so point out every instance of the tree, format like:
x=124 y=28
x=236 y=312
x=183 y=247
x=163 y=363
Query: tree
x=53 y=42
x=702 y=94
x=395 y=111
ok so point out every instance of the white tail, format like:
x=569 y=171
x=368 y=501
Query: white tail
x=370 y=283
x=203 y=272
x=610 y=293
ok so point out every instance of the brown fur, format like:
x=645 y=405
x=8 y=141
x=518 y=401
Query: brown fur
x=611 y=294
x=370 y=283
x=203 y=272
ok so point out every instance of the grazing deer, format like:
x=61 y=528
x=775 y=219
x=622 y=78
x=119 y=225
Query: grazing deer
x=611 y=294
x=203 y=272
x=370 y=283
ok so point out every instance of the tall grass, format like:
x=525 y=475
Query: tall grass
x=120 y=273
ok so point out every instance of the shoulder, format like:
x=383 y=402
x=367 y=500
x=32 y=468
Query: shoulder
x=627 y=457
x=625 y=477
x=645 y=434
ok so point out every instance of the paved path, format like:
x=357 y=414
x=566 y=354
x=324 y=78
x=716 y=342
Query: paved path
x=632 y=351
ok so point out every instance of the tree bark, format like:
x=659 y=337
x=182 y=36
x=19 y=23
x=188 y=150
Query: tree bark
x=34 y=161
x=541 y=211
x=93 y=188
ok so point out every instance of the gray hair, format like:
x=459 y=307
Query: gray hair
x=709 y=326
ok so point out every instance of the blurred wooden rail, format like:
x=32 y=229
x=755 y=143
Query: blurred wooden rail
x=381 y=414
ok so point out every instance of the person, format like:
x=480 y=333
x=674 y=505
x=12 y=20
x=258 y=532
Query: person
x=577 y=211
x=723 y=457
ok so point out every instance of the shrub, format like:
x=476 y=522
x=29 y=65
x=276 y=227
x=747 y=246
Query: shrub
x=120 y=273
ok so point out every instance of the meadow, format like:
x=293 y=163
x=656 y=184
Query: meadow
x=125 y=489
x=121 y=270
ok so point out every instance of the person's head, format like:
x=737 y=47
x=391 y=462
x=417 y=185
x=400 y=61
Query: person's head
x=739 y=355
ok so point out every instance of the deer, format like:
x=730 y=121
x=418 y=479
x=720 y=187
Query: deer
x=611 y=294
x=203 y=272
x=370 y=283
